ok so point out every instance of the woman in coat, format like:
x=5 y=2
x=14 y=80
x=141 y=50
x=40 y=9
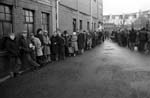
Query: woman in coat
x=38 y=48
x=46 y=48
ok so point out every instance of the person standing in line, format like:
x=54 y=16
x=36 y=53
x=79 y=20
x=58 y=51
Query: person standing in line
x=54 y=47
x=132 y=39
x=40 y=36
x=61 y=46
x=38 y=48
x=143 y=38
x=74 y=43
x=26 y=49
x=81 y=42
x=65 y=35
x=13 y=54
x=46 y=48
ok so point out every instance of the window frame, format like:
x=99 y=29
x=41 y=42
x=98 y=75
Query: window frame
x=5 y=21
x=28 y=14
x=45 y=21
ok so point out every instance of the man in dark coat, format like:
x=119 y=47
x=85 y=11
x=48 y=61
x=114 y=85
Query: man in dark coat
x=13 y=54
x=54 y=47
x=61 y=47
x=26 y=49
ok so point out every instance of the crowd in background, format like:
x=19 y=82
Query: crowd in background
x=138 y=40
x=30 y=51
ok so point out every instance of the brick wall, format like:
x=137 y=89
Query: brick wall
x=68 y=11
x=18 y=21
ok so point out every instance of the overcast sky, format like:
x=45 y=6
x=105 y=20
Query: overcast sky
x=125 y=6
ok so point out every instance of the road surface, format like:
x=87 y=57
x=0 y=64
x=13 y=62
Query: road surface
x=108 y=71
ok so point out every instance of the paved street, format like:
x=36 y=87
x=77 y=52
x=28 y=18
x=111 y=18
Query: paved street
x=108 y=71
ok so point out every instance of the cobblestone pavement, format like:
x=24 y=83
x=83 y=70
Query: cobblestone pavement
x=108 y=71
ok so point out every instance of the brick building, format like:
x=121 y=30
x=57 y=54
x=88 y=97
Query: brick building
x=23 y=15
x=80 y=14
x=29 y=15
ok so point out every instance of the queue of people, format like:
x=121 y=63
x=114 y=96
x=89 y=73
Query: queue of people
x=30 y=52
x=138 y=40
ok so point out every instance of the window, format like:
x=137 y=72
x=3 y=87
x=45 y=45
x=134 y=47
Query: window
x=29 y=21
x=74 y=24
x=5 y=20
x=88 y=25
x=80 y=24
x=45 y=21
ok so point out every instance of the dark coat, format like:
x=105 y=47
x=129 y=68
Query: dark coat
x=81 y=41
x=54 y=45
x=61 y=47
x=24 y=45
x=143 y=36
x=132 y=36
x=66 y=38
x=12 y=47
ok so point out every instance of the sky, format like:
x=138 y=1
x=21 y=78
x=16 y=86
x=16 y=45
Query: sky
x=113 y=7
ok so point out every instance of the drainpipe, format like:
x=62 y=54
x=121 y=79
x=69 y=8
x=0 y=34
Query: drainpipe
x=57 y=14
x=78 y=15
x=91 y=14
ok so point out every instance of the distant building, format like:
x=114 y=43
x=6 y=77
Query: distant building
x=77 y=15
x=127 y=19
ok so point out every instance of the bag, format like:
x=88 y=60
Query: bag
x=70 y=49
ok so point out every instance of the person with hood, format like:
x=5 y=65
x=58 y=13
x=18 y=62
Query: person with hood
x=11 y=47
x=26 y=48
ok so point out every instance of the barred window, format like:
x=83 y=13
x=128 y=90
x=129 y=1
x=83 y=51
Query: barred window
x=29 y=21
x=45 y=21
x=5 y=20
